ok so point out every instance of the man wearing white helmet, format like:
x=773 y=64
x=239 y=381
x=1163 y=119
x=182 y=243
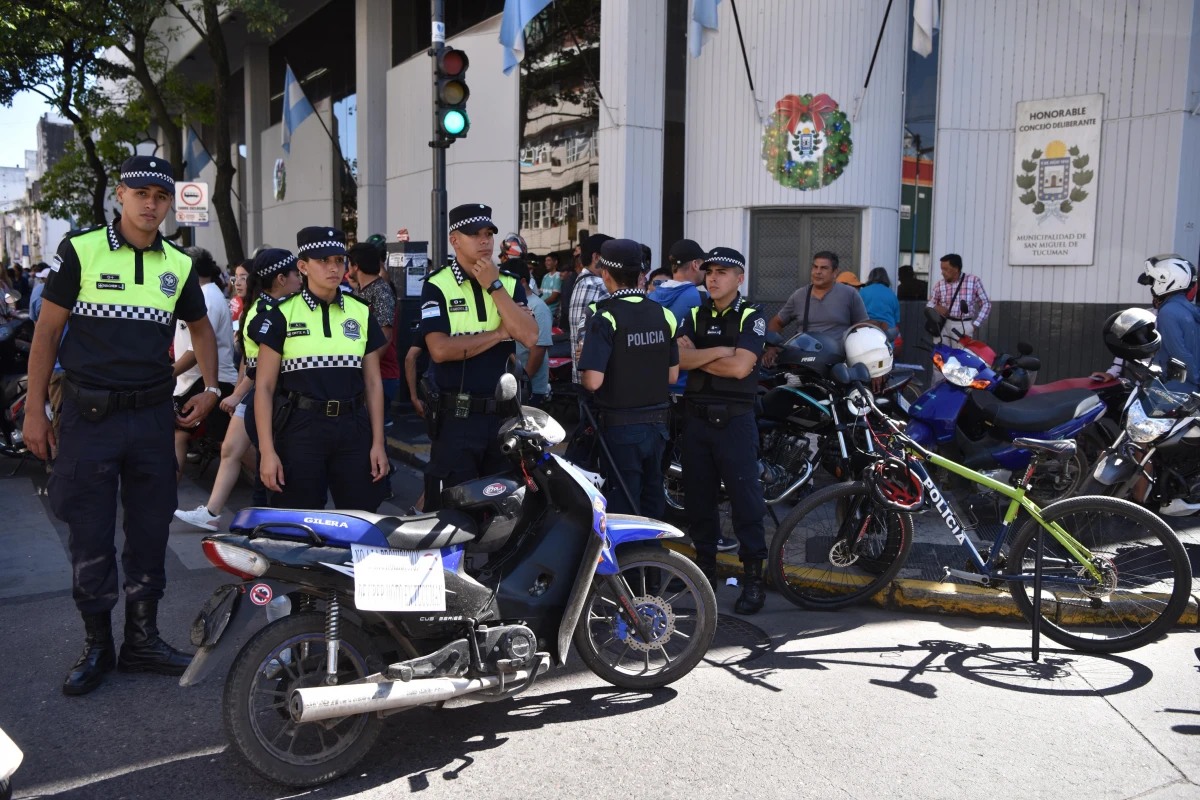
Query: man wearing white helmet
x=1170 y=277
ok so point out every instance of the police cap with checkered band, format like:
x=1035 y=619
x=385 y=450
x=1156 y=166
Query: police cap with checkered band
x=724 y=257
x=140 y=171
x=621 y=254
x=471 y=219
x=318 y=241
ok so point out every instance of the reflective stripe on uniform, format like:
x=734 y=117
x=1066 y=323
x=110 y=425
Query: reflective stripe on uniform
x=122 y=312
x=316 y=362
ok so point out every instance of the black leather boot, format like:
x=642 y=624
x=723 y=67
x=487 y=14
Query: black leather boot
x=708 y=565
x=754 y=590
x=99 y=655
x=143 y=649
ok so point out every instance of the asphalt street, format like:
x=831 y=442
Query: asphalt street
x=788 y=704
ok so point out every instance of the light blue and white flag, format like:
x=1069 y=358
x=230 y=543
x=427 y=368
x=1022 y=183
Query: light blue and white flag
x=196 y=156
x=517 y=14
x=296 y=108
x=703 y=26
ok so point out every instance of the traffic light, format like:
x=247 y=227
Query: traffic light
x=452 y=93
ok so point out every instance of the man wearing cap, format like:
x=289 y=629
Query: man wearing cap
x=470 y=315
x=629 y=359
x=120 y=286
x=681 y=294
x=720 y=343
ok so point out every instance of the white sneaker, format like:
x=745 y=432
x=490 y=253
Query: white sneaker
x=200 y=518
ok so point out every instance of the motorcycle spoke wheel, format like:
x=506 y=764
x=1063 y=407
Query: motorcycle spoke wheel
x=836 y=548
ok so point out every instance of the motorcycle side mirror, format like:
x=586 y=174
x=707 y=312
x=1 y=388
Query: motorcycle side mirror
x=1030 y=363
x=933 y=321
x=1177 y=371
x=1025 y=348
x=506 y=388
x=841 y=374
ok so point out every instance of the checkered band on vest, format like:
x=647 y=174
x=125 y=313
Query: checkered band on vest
x=147 y=174
x=469 y=220
x=122 y=312
x=725 y=260
x=331 y=243
x=319 y=362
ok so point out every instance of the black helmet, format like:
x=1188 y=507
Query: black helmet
x=893 y=485
x=817 y=352
x=1132 y=334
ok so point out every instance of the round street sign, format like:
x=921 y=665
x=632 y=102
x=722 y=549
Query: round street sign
x=192 y=194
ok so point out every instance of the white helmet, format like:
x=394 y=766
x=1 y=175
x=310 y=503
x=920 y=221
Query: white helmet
x=866 y=344
x=1167 y=274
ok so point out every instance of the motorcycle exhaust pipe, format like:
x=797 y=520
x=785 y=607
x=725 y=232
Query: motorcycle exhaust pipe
x=329 y=702
x=803 y=479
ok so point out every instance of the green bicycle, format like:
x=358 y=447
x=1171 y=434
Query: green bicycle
x=1115 y=576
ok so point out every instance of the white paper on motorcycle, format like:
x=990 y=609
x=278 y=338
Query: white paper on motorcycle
x=398 y=580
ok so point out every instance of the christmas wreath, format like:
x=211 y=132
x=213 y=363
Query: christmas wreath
x=807 y=144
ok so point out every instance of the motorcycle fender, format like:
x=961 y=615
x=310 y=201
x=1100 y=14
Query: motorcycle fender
x=579 y=594
x=1114 y=469
x=921 y=433
x=220 y=624
x=626 y=528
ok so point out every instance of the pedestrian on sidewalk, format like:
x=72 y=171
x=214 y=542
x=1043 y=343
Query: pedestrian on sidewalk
x=589 y=288
x=121 y=286
x=366 y=268
x=960 y=298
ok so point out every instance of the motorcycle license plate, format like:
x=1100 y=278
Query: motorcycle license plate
x=398 y=580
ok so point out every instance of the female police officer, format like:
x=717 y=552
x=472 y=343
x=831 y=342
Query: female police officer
x=318 y=401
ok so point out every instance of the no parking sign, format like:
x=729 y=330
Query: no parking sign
x=191 y=203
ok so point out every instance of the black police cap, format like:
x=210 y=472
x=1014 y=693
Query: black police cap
x=621 y=254
x=471 y=218
x=140 y=171
x=273 y=260
x=725 y=257
x=592 y=245
x=685 y=250
x=319 y=241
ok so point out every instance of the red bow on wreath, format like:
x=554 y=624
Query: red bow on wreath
x=794 y=107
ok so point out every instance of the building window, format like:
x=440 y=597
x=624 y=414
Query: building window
x=540 y=214
x=525 y=215
x=594 y=209
x=577 y=148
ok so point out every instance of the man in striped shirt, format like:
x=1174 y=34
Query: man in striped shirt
x=960 y=298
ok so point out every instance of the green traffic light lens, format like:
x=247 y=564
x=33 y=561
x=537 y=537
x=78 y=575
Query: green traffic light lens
x=454 y=122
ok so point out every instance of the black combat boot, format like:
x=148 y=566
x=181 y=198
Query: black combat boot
x=708 y=565
x=754 y=591
x=99 y=655
x=143 y=649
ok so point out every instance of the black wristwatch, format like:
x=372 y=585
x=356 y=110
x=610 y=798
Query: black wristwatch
x=495 y=286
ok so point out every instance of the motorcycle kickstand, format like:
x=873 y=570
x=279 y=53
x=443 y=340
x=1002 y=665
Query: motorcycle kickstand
x=620 y=588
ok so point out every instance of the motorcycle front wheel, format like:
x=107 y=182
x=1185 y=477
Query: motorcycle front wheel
x=679 y=606
x=288 y=654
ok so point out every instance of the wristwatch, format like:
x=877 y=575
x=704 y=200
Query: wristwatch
x=215 y=390
x=495 y=286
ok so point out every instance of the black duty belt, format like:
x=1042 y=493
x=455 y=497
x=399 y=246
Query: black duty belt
x=328 y=408
x=479 y=404
x=616 y=417
x=104 y=401
x=717 y=412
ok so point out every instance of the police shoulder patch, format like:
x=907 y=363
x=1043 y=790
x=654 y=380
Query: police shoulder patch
x=760 y=327
x=430 y=309
x=168 y=283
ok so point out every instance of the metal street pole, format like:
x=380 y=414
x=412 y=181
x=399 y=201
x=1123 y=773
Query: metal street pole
x=438 y=235
x=916 y=204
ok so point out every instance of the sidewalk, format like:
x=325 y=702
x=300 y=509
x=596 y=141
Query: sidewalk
x=919 y=587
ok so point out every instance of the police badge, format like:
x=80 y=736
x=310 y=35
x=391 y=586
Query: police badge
x=351 y=329
x=168 y=283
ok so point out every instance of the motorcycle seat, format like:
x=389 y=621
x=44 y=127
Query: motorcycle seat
x=1059 y=448
x=1034 y=413
x=425 y=531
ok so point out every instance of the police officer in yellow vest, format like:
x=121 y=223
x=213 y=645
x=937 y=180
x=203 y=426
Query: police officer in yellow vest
x=120 y=286
x=470 y=315
x=318 y=399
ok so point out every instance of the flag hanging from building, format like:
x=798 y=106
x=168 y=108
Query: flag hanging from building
x=703 y=26
x=296 y=108
x=517 y=14
x=925 y=19
x=196 y=156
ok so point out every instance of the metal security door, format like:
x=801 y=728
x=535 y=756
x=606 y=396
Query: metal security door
x=782 y=244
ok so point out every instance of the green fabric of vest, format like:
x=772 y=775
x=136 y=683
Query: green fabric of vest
x=107 y=280
x=307 y=347
x=463 y=296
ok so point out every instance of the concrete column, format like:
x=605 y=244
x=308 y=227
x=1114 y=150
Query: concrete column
x=258 y=119
x=373 y=59
x=632 y=80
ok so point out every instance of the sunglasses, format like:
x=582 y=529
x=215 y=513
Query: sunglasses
x=659 y=281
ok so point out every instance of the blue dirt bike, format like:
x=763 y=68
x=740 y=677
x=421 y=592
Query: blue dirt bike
x=977 y=411
x=371 y=614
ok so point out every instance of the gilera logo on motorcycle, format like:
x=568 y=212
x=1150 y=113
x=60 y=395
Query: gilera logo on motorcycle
x=943 y=508
x=493 y=489
x=333 y=523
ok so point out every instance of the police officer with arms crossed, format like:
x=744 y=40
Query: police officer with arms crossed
x=720 y=344
x=470 y=314
x=629 y=359
x=318 y=399
x=120 y=286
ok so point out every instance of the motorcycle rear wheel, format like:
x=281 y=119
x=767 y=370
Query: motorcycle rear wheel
x=290 y=653
x=684 y=621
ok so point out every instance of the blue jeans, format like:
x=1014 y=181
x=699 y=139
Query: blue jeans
x=637 y=450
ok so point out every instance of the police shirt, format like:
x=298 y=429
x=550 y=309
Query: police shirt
x=740 y=326
x=453 y=303
x=123 y=302
x=321 y=345
x=599 y=344
x=264 y=303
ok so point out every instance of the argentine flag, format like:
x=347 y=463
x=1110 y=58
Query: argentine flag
x=517 y=14
x=703 y=26
x=296 y=108
x=196 y=156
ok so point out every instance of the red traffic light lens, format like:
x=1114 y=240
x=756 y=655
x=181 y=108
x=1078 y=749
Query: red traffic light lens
x=454 y=62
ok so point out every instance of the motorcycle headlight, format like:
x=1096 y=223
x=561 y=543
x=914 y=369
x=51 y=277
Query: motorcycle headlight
x=958 y=374
x=858 y=401
x=1142 y=428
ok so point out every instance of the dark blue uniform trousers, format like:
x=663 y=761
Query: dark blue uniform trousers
x=637 y=450
x=730 y=454
x=465 y=449
x=135 y=451
x=322 y=454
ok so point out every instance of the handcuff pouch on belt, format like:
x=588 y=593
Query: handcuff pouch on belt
x=96 y=404
x=281 y=411
x=431 y=398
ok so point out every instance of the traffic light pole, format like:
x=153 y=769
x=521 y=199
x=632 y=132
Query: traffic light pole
x=438 y=237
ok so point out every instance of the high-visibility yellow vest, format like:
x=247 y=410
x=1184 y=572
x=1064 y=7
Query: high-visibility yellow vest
x=309 y=344
x=466 y=315
x=109 y=283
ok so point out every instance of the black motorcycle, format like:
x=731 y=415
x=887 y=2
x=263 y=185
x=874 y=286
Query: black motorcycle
x=16 y=335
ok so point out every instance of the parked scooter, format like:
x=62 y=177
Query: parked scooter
x=374 y=614
x=16 y=333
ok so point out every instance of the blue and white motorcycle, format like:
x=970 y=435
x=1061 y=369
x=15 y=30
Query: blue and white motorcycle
x=371 y=614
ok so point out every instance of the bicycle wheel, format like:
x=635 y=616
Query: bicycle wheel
x=1146 y=575
x=836 y=548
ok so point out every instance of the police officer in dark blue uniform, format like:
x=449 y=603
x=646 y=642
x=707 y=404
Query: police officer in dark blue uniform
x=470 y=314
x=721 y=344
x=120 y=286
x=629 y=359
